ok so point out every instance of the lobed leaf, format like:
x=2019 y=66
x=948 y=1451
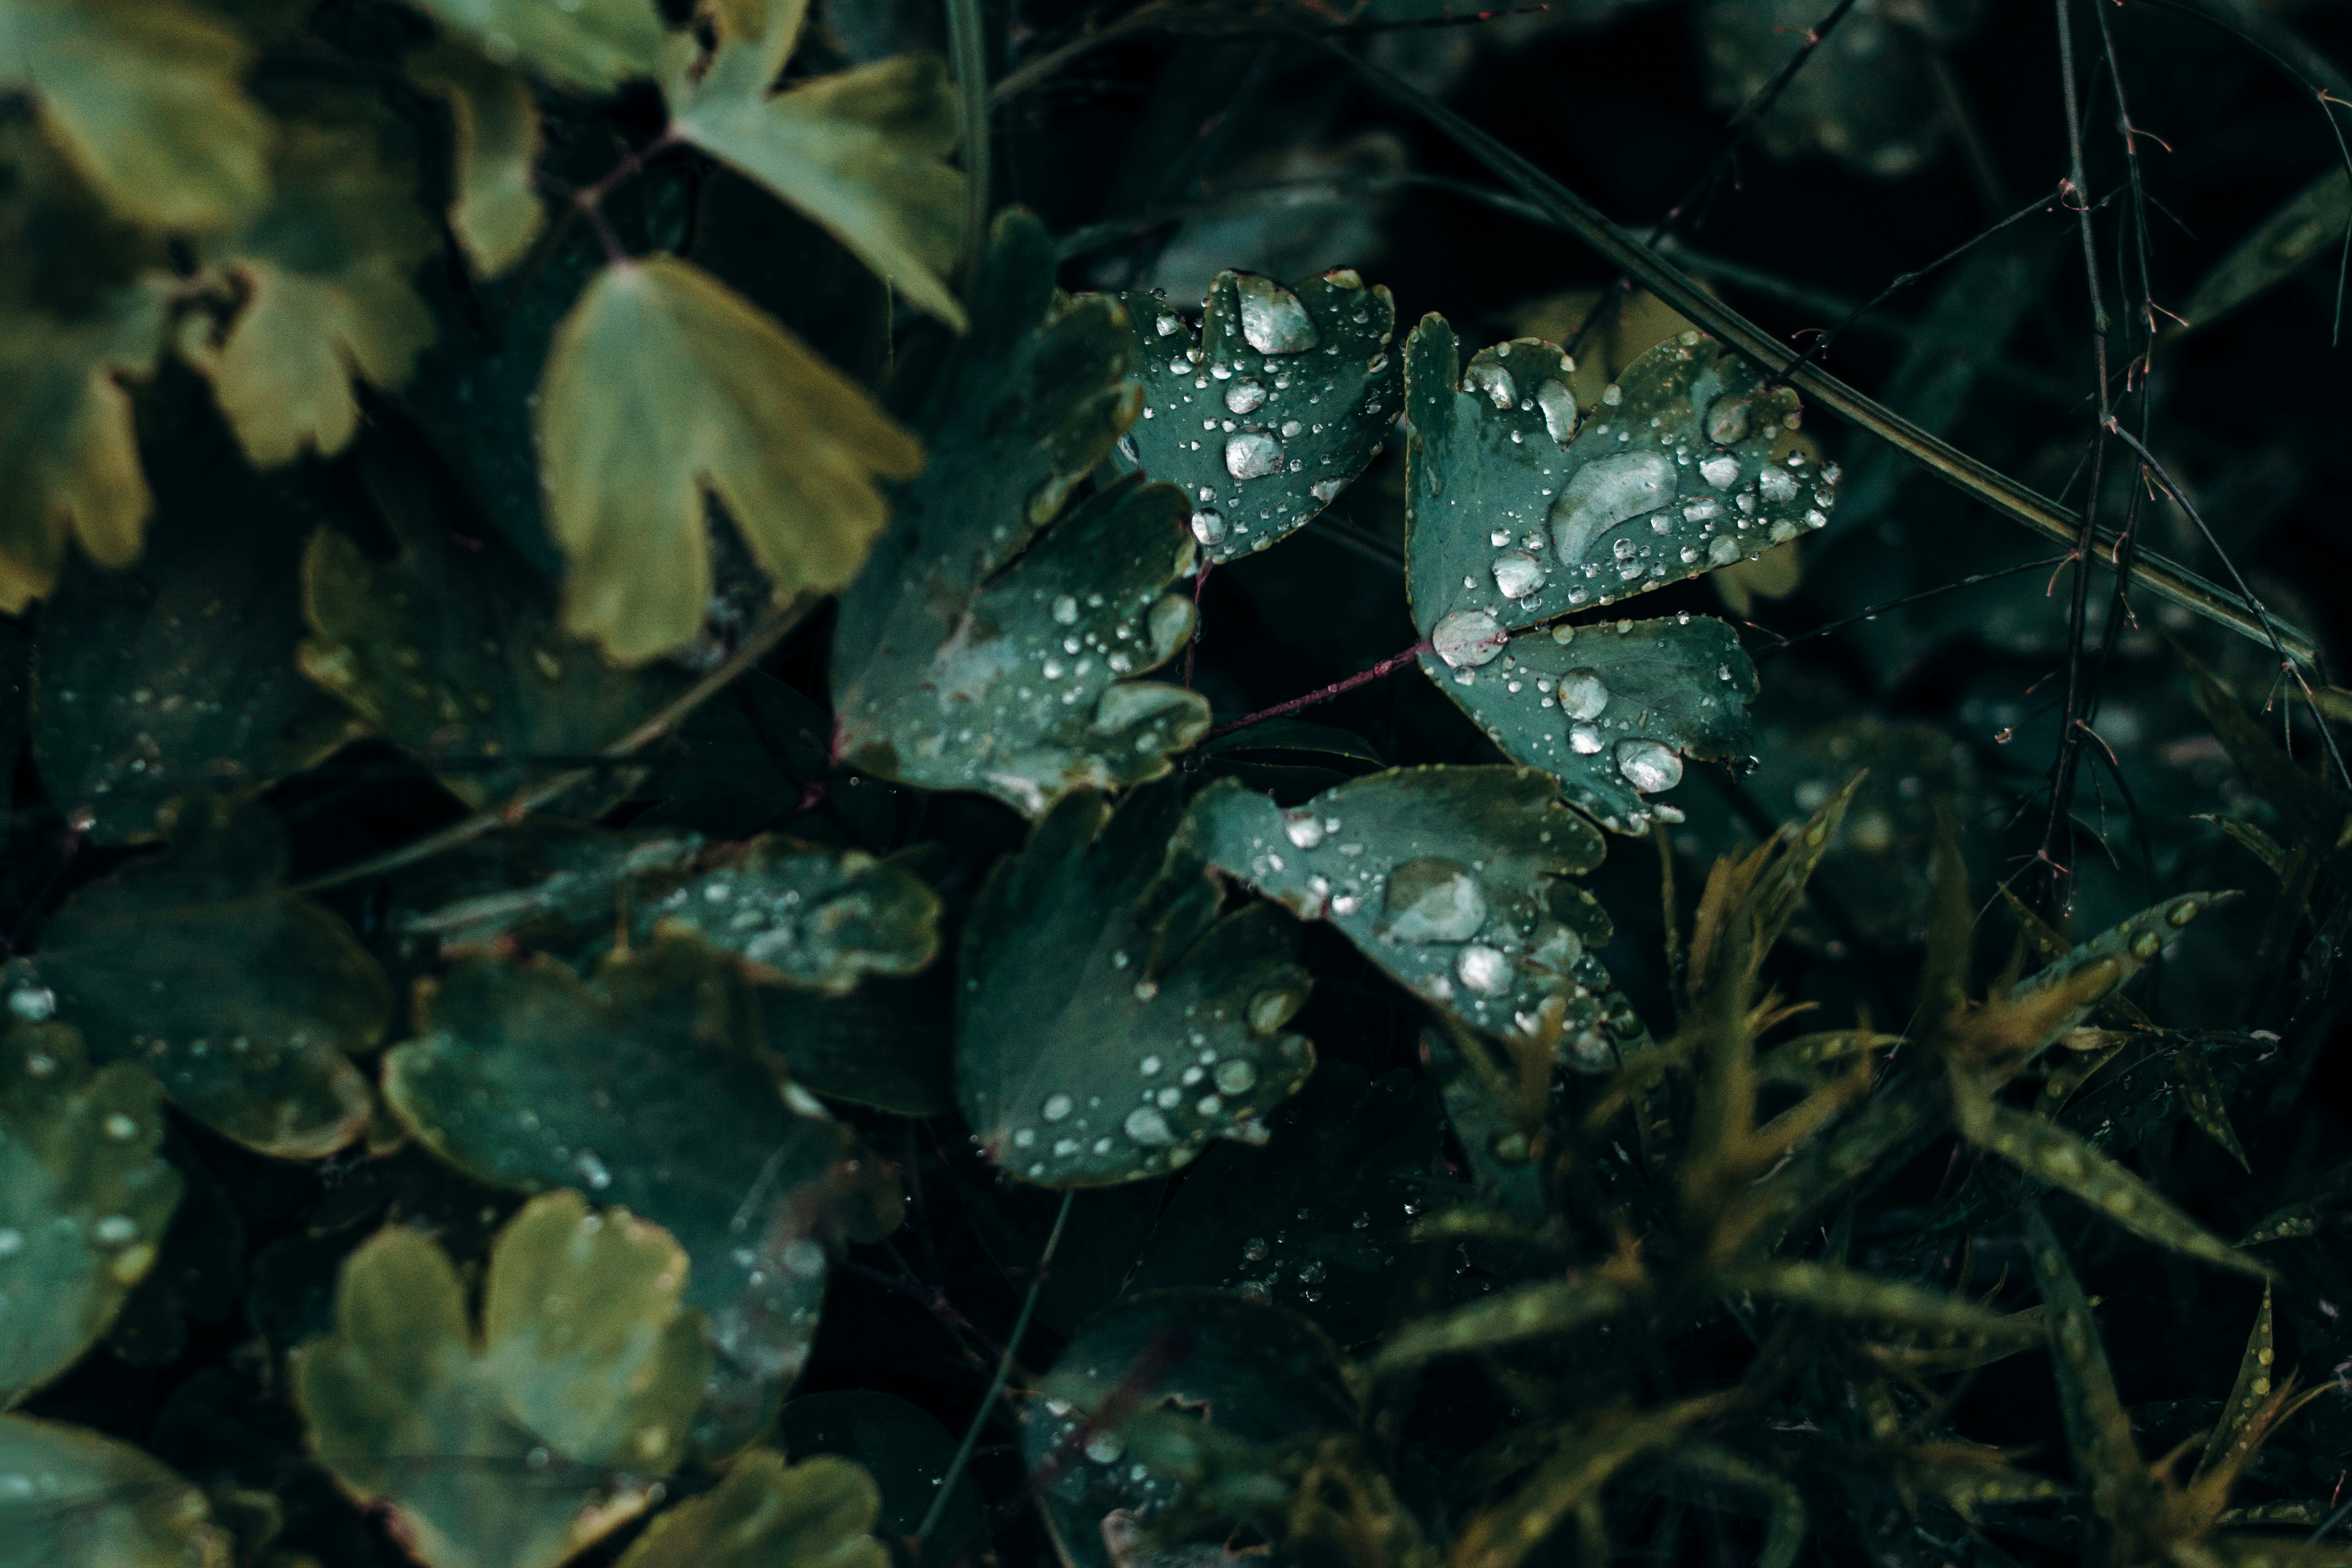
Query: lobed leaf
x=99 y=1503
x=495 y=211
x=663 y=389
x=767 y=1514
x=1248 y=415
x=908 y=1454
x=586 y=47
x=1110 y=1023
x=84 y=1197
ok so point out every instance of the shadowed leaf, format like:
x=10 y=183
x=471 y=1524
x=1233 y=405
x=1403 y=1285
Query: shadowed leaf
x=2308 y=223
x=766 y=1514
x=2098 y=1432
x=496 y=211
x=105 y=1504
x=588 y=46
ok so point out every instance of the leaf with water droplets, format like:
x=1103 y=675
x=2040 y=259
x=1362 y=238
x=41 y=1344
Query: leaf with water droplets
x=1111 y=1022
x=585 y=1373
x=1320 y=1218
x=1845 y=1293
x=1270 y=407
x=84 y=1199
x=585 y=45
x=1162 y=1395
x=974 y=654
x=642 y=1085
x=2283 y=1224
x=819 y=1513
x=450 y=650
x=241 y=997
x=100 y=1504
x=2247 y=1395
x=2123 y=1494
x=495 y=210
x=1454 y=880
x=1543 y=1309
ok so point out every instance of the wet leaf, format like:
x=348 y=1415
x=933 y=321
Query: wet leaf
x=862 y=151
x=1571 y=1480
x=106 y=1505
x=325 y=272
x=1784 y=1524
x=1111 y=1022
x=584 y=1372
x=1270 y=407
x=2261 y=844
x=665 y=389
x=906 y=1451
x=2304 y=806
x=2098 y=1432
x=2294 y=1220
x=641 y=1086
x=240 y=996
x=1454 y=880
x=496 y=211
x=1837 y=1292
x=2201 y=1093
x=2248 y=1395
x=145 y=98
x=453 y=652
x=588 y=47
x=84 y=1199
x=2046 y=1005
x=1318 y=1220
x=2308 y=223
x=766 y=1514
x=1541 y=1309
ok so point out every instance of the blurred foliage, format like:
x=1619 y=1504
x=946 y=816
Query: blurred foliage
x=864 y=784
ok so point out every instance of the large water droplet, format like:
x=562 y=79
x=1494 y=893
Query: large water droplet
x=1066 y=610
x=1604 y=493
x=1209 y=525
x=1484 y=970
x=1272 y=320
x=1435 y=900
x=1517 y=574
x=1493 y=383
x=1723 y=550
x=1648 y=766
x=1146 y=1125
x=1058 y=1105
x=1584 y=739
x=1721 y=471
x=1558 y=406
x=1467 y=637
x=1236 y=1076
x=1245 y=396
x=1253 y=454
x=1304 y=829
x=1727 y=421
x=1583 y=694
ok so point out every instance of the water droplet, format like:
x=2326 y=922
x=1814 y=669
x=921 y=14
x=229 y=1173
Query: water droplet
x=1483 y=969
x=1303 y=829
x=1584 y=739
x=1467 y=638
x=1583 y=694
x=1236 y=1076
x=2182 y=913
x=1721 y=471
x=12 y=1241
x=1326 y=490
x=1254 y=1249
x=1209 y=525
x=2145 y=945
x=121 y=1128
x=1648 y=766
x=1270 y=1010
x=1272 y=320
x=591 y=1170
x=1148 y=1066
x=1245 y=396
x=1518 y=574
x=1494 y=382
x=1252 y=455
x=1105 y=1448
x=1727 y=420
x=1146 y=1125
x=34 y=1003
x=114 y=1229
x=1058 y=1105
x=1604 y=493
x=1723 y=550
x=1558 y=406
x=1435 y=900
x=1066 y=610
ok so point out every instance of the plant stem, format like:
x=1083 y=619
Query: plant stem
x=1387 y=665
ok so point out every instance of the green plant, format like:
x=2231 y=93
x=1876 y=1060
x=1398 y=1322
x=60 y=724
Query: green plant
x=655 y=913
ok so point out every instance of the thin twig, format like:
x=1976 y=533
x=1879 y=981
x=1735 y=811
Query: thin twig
x=1387 y=665
x=1874 y=611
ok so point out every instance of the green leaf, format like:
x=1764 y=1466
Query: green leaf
x=1570 y=1481
x=2305 y=224
x=143 y=97
x=2247 y=1395
x=1453 y=879
x=1784 y=1528
x=103 y=1504
x=1315 y=1221
x=1110 y=1023
x=641 y=1086
x=84 y=1199
x=583 y=1376
x=455 y=655
x=2201 y=1096
x=890 y=1044
x=1270 y=407
x=325 y=272
x=1868 y=100
x=1543 y=1310
x=587 y=47
x=862 y=151
x=496 y=211
x=663 y=387
x=906 y=1451
x=2123 y=1494
x=175 y=674
x=2294 y=1220
x=241 y=997
x=765 y=1514
x=2258 y=844
x=1845 y=1293
x=2305 y=807
x=1172 y=1384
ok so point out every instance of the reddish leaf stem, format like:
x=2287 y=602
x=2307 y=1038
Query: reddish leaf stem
x=1387 y=665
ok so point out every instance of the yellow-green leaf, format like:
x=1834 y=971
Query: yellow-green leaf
x=144 y=98
x=1535 y=1310
x=863 y=153
x=2247 y=1395
x=1847 y=1293
x=585 y=45
x=101 y=1504
x=664 y=386
x=766 y=1514
x=496 y=211
x=2123 y=1494
x=325 y=270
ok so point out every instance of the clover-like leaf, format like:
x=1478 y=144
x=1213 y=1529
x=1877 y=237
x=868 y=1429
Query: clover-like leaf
x=325 y=272
x=1110 y=1023
x=641 y=1086
x=586 y=45
x=84 y=1199
x=862 y=151
x=144 y=99
x=1315 y=1221
x=495 y=211
x=175 y=674
x=975 y=654
x=663 y=388
x=1264 y=412
x=454 y=654
x=766 y=1514
x=908 y=1454
x=84 y=1500
x=1154 y=1385
x=1453 y=879
x=583 y=1378
x=241 y=997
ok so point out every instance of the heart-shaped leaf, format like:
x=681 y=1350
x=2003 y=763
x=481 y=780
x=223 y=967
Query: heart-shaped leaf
x=968 y=657
x=1263 y=412
x=1453 y=879
x=241 y=997
x=98 y=1503
x=641 y=1086
x=766 y=1514
x=84 y=1199
x=584 y=1375
x=1110 y=1023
